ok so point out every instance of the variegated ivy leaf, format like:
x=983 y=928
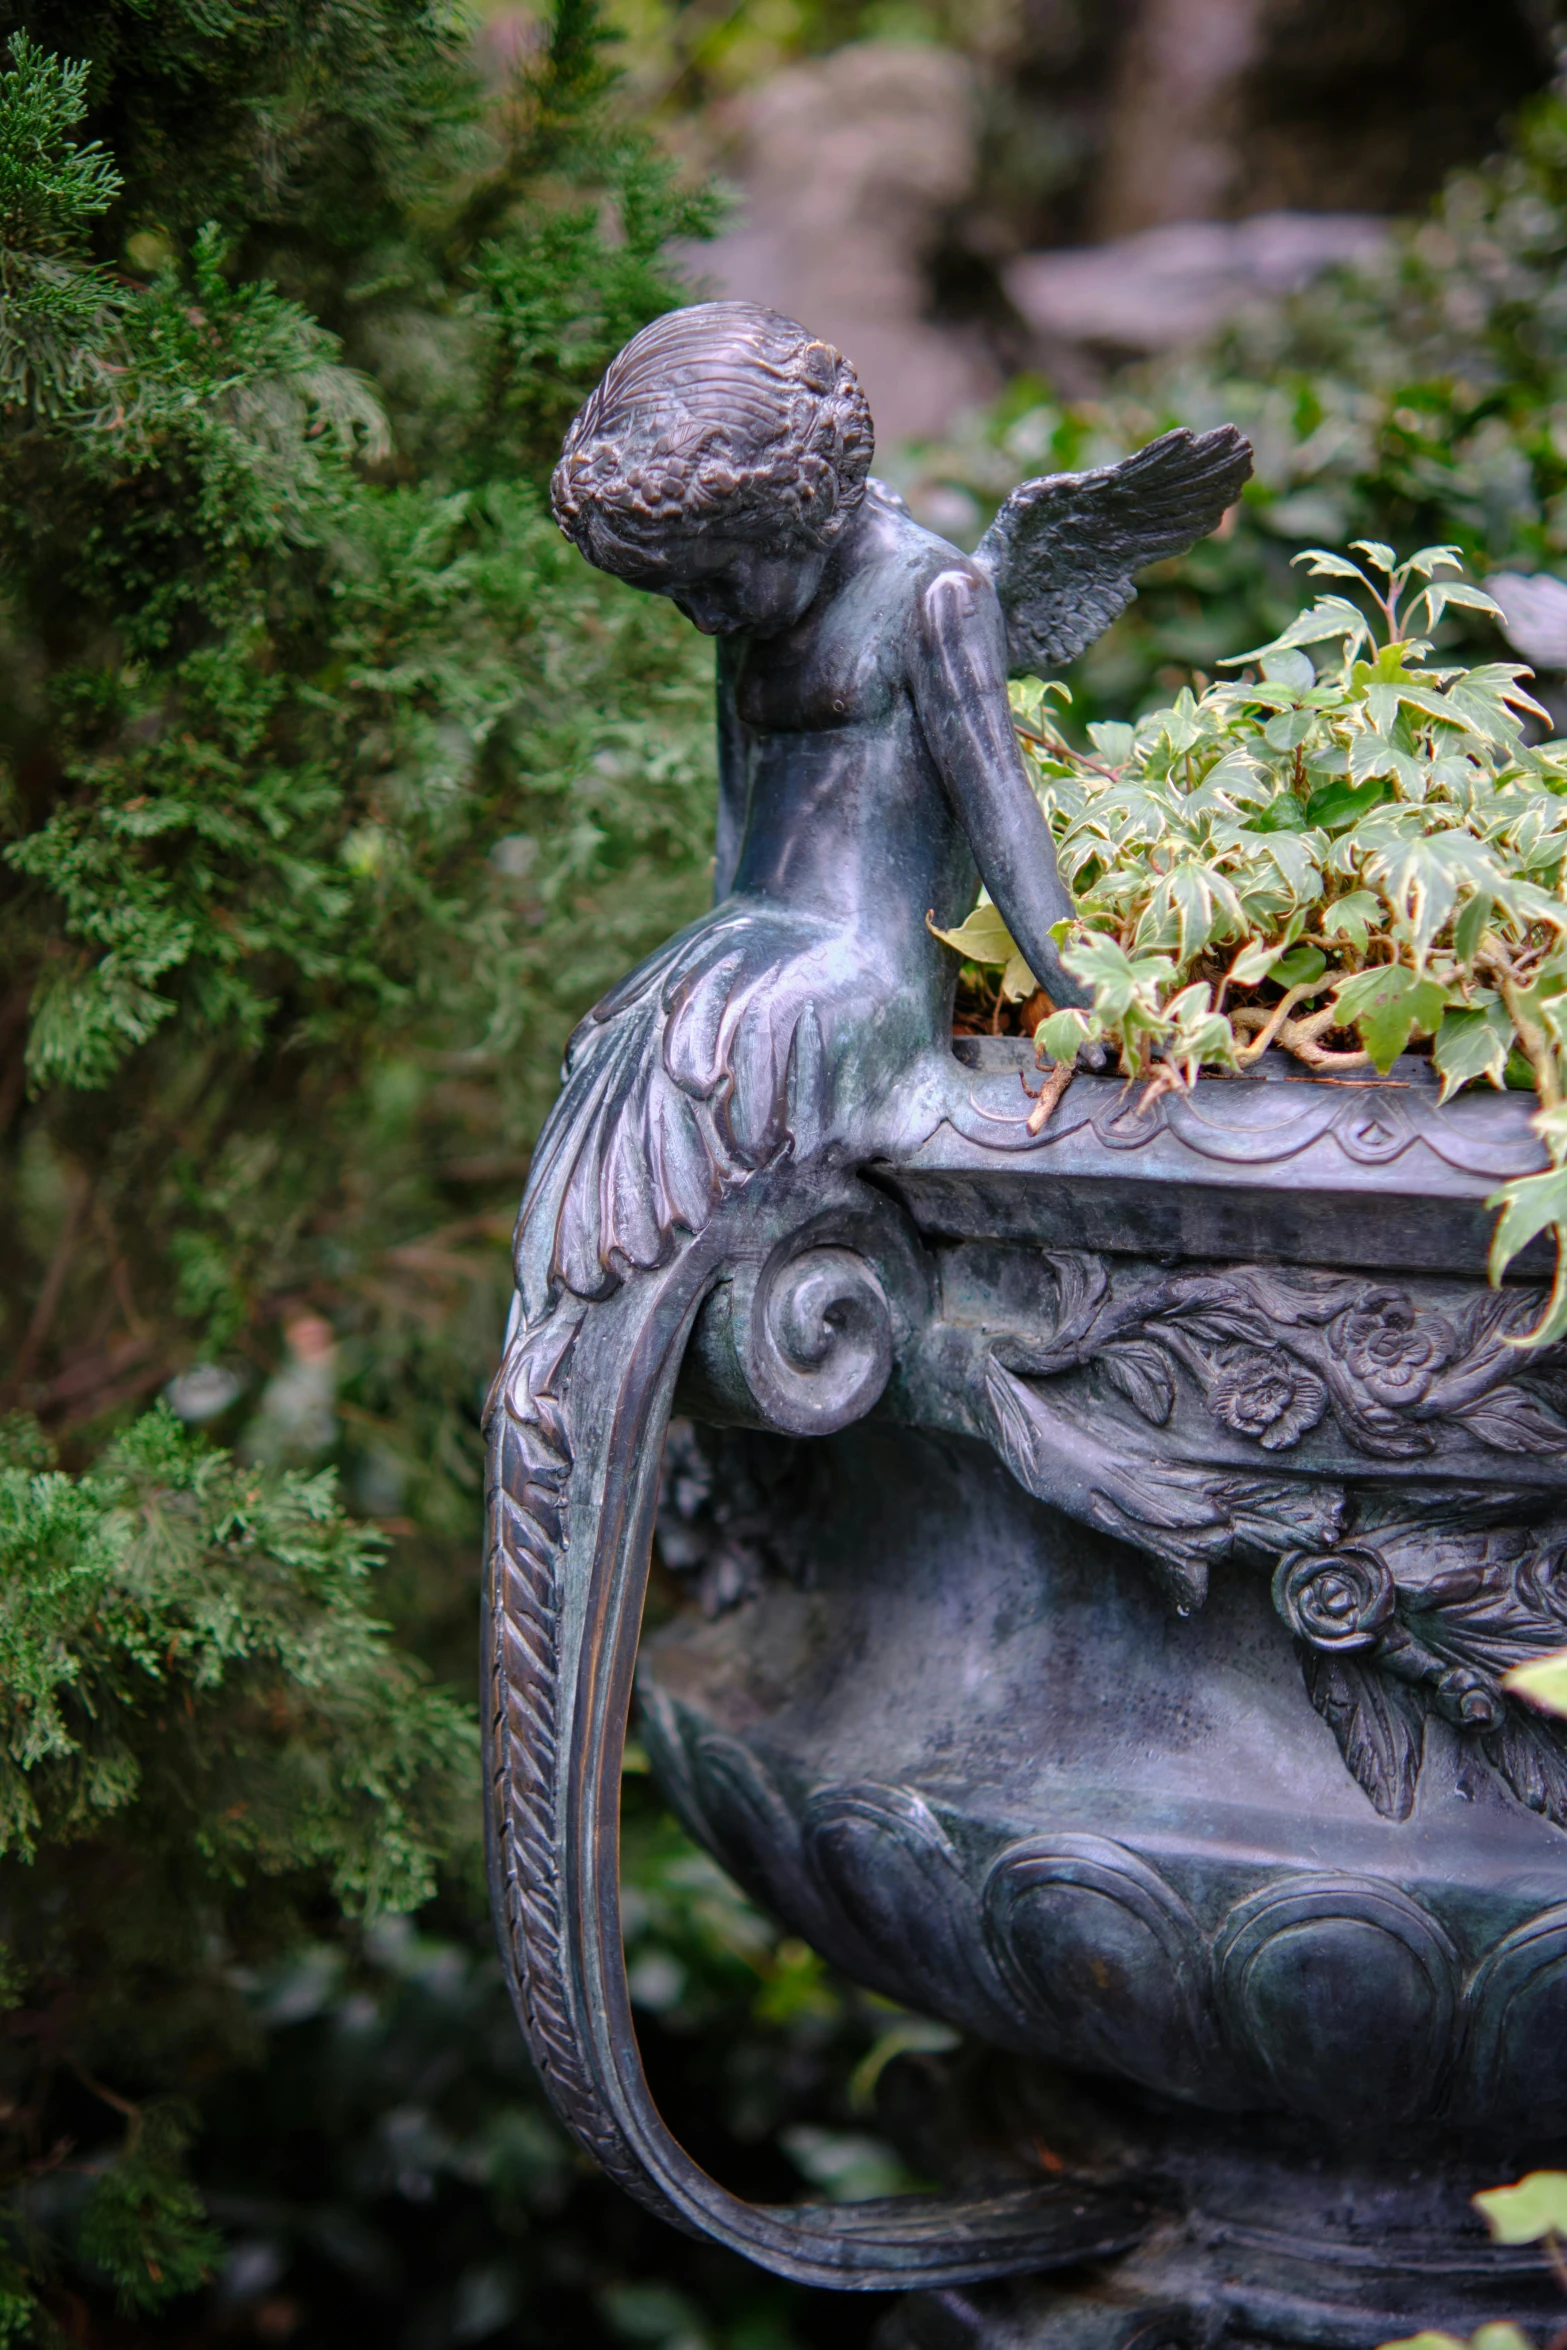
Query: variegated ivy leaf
x=1323 y=563
x=1491 y=694
x=1191 y=894
x=1422 y=880
x=1443 y=592
x=1388 y=1005
x=1350 y=918
x=1181 y=726
x=1473 y=1042
x=983 y=938
x=1061 y=1035
x=1017 y=980
x=1374 y=754
x=1199 y=1035
x=1329 y=618
x=1121 y=984
x=1113 y=742
x=1385 y=799
x=1542 y=1682
x=1524 y=2214
x=1289 y=729
x=1255 y=962
x=1530 y=1205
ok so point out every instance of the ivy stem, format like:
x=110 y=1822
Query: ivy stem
x=1049 y=1094
x=1281 y=1011
x=1064 y=750
x=1536 y=1044
x=1554 y=2254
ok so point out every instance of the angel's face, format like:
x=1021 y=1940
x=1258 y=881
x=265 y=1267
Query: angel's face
x=733 y=586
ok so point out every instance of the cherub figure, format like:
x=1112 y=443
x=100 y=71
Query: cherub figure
x=869 y=775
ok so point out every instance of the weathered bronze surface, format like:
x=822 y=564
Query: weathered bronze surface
x=1112 y=1538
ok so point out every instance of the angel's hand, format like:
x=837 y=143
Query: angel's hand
x=1063 y=551
x=960 y=694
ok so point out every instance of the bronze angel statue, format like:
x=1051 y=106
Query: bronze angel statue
x=869 y=775
x=869 y=778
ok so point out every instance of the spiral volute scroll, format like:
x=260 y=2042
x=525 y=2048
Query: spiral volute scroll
x=816 y=1345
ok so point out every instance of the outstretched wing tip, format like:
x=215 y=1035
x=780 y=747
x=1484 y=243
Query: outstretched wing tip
x=1063 y=550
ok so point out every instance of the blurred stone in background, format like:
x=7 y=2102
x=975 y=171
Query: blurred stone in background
x=850 y=165
x=1534 y=616
x=1061 y=185
x=1163 y=287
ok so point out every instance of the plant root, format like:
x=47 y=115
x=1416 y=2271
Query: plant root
x=1049 y=1094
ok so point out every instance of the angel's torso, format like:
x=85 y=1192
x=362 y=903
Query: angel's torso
x=846 y=812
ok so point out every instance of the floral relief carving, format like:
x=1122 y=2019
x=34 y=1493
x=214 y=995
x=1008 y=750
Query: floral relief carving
x=1407 y=1602
x=1274 y=1353
x=1388 y=1350
x=1261 y=1391
x=1340 y=1600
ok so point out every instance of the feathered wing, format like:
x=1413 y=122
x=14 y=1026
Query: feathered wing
x=702 y=1066
x=1063 y=551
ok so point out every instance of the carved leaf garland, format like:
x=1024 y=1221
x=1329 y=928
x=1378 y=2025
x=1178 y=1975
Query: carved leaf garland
x=1380 y=1727
x=1271 y=1353
x=1528 y=1754
x=1142 y=1372
x=1406 y=1600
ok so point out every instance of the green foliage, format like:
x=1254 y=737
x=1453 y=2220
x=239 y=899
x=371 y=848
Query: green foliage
x=1534 y=2209
x=333 y=786
x=144 y=2224
x=1543 y=1682
x=1375 y=843
x=52 y=185
x=328 y=781
x=56 y=311
x=206 y=1730
x=392 y=2153
x=188 y=1642
x=1418 y=397
x=555 y=300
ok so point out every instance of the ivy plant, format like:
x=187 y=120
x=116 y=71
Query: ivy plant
x=1349 y=851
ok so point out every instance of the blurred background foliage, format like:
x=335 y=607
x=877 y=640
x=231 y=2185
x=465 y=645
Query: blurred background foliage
x=1422 y=392
x=333 y=787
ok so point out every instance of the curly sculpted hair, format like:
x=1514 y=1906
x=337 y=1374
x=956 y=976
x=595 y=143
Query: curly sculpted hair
x=723 y=417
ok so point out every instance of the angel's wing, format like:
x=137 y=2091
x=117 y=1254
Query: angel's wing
x=1063 y=551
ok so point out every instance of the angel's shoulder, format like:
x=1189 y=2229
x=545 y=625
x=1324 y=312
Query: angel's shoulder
x=916 y=571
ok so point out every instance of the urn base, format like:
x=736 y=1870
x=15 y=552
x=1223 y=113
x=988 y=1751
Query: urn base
x=1246 y=2247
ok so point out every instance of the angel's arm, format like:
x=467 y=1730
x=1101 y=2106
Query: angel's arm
x=959 y=681
x=731 y=775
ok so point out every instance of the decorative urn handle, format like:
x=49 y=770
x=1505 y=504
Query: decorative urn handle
x=801 y=1315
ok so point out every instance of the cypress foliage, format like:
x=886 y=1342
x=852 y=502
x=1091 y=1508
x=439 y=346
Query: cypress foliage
x=332 y=786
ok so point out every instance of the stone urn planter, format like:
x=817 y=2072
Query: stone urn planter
x=1137 y=1520
x=1119 y=1521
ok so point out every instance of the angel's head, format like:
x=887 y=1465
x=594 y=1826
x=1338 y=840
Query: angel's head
x=723 y=453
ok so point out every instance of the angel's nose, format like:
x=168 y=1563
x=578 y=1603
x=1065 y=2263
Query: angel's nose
x=704 y=612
